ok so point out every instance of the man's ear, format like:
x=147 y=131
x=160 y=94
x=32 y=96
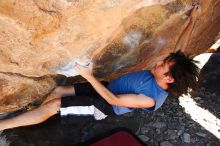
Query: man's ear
x=169 y=79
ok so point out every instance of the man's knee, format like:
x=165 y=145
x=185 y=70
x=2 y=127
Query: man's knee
x=53 y=105
x=64 y=90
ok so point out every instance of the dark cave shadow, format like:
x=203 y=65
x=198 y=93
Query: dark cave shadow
x=208 y=94
x=55 y=132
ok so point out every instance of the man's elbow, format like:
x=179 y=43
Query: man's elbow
x=149 y=104
x=152 y=103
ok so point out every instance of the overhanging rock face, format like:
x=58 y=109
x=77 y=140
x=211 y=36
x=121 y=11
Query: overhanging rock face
x=37 y=37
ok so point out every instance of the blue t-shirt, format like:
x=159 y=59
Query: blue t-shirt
x=141 y=82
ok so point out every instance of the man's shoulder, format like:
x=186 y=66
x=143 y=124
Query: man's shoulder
x=141 y=73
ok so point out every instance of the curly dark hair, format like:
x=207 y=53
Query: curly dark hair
x=184 y=71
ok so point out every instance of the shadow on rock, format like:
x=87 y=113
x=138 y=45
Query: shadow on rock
x=209 y=89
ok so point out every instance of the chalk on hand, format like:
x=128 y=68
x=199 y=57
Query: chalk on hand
x=83 y=62
x=69 y=69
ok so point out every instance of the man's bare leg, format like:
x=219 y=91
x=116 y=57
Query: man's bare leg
x=34 y=116
x=49 y=108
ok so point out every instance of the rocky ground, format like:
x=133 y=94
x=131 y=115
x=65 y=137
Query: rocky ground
x=169 y=126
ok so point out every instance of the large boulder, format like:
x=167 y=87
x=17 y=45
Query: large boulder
x=39 y=37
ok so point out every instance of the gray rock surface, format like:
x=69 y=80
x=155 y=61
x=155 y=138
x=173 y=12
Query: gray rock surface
x=166 y=143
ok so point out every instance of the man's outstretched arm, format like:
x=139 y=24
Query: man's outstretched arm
x=127 y=100
x=185 y=37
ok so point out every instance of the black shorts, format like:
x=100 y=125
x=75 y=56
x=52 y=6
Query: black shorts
x=85 y=104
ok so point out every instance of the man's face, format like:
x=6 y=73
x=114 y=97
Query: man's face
x=160 y=71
